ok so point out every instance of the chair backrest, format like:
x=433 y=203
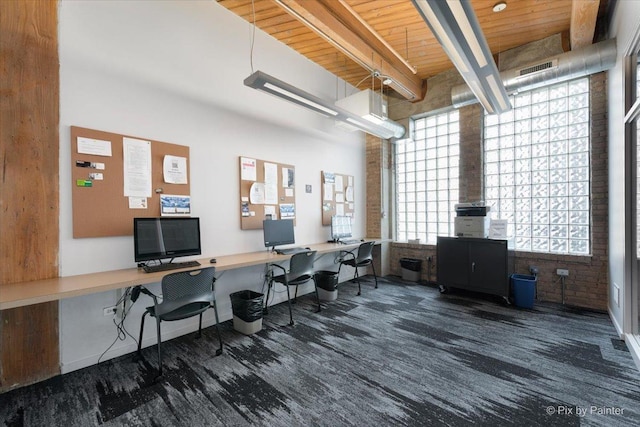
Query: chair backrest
x=301 y=265
x=184 y=288
x=365 y=252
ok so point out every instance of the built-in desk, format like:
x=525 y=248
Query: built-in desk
x=33 y=292
x=28 y=294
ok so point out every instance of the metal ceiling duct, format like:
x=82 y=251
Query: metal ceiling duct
x=567 y=66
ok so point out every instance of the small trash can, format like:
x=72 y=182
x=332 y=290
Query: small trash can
x=524 y=290
x=411 y=268
x=327 y=284
x=247 y=311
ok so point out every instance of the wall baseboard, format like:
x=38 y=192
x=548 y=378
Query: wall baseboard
x=633 y=344
x=616 y=325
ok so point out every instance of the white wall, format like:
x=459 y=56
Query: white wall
x=173 y=71
x=621 y=237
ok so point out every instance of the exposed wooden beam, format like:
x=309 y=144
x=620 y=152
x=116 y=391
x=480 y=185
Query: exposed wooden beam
x=338 y=24
x=29 y=146
x=584 y=14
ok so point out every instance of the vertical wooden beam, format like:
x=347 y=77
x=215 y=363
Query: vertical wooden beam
x=584 y=14
x=29 y=211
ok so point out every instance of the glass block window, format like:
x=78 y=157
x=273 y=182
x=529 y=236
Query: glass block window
x=537 y=170
x=426 y=169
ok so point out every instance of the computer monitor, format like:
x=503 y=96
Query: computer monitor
x=340 y=227
x=278 y=232
x=159 y=238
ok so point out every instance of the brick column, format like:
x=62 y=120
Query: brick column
x=471 y=165
x=378 y=205
x=375 y=162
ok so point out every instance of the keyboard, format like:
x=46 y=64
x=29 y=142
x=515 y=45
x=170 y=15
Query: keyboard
x=169 y=266
x=291 y=251
x=350 y=242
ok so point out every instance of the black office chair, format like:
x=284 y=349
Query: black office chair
x=300 y=272
x=184 y=294
x=363 y=258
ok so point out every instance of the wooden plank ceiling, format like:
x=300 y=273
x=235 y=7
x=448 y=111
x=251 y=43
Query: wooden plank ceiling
x=389 y=36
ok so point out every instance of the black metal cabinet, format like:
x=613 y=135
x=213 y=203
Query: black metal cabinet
x=480 y=265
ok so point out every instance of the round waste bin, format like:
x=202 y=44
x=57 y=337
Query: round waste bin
x=524 y=290
x=247 y=311
x=327 y=284
x=411 y=268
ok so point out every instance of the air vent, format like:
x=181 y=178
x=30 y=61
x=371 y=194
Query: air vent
x=537 y=68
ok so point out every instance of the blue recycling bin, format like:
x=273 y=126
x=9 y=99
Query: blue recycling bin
x=524 y=290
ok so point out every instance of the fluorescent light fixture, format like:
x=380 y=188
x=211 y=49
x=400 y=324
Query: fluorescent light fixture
x=299 y=100
x=455 y=25
x=264 y=82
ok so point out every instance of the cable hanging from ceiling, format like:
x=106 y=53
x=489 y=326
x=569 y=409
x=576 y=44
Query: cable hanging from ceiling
x=269 y=84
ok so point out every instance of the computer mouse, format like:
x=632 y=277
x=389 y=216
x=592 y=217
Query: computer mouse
x=213 y=260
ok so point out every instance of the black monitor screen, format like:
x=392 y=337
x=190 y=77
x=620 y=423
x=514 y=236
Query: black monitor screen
x=340 y=227
x=158 y=238
x=278 y=232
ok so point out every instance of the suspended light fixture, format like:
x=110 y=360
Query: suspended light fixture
x=455 y=25
x=266 y=83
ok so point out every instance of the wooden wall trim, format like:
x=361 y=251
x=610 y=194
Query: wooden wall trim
x=29 y=185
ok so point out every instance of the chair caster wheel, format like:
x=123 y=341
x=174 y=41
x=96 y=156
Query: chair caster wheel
x=443 y=289
x=291 y=323
x=218 y=352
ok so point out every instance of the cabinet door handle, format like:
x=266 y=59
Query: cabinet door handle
x=473 y=267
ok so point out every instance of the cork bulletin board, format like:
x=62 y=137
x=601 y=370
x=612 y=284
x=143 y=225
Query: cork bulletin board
x=266 y=189
x=337 y=196
x=100 y=207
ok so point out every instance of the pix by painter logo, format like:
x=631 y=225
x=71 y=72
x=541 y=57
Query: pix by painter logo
x=582 y=411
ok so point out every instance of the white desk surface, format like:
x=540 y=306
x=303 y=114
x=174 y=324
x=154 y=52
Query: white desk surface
x=38 y=291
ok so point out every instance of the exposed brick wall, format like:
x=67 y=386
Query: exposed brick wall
x=375 y=162
x=418 y=251
x=471 y=165
x=588 y=283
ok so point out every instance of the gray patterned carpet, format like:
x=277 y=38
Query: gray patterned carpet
x=401 y=355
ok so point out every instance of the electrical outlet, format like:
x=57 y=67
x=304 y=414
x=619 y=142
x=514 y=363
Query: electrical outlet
x=109 y=311
x=562 y=272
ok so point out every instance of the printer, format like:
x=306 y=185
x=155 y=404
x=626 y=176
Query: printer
x=471 y=220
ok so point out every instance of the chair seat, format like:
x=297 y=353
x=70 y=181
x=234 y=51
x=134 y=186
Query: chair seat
x=292 y=281
x=353 y=263
x=182 y=312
